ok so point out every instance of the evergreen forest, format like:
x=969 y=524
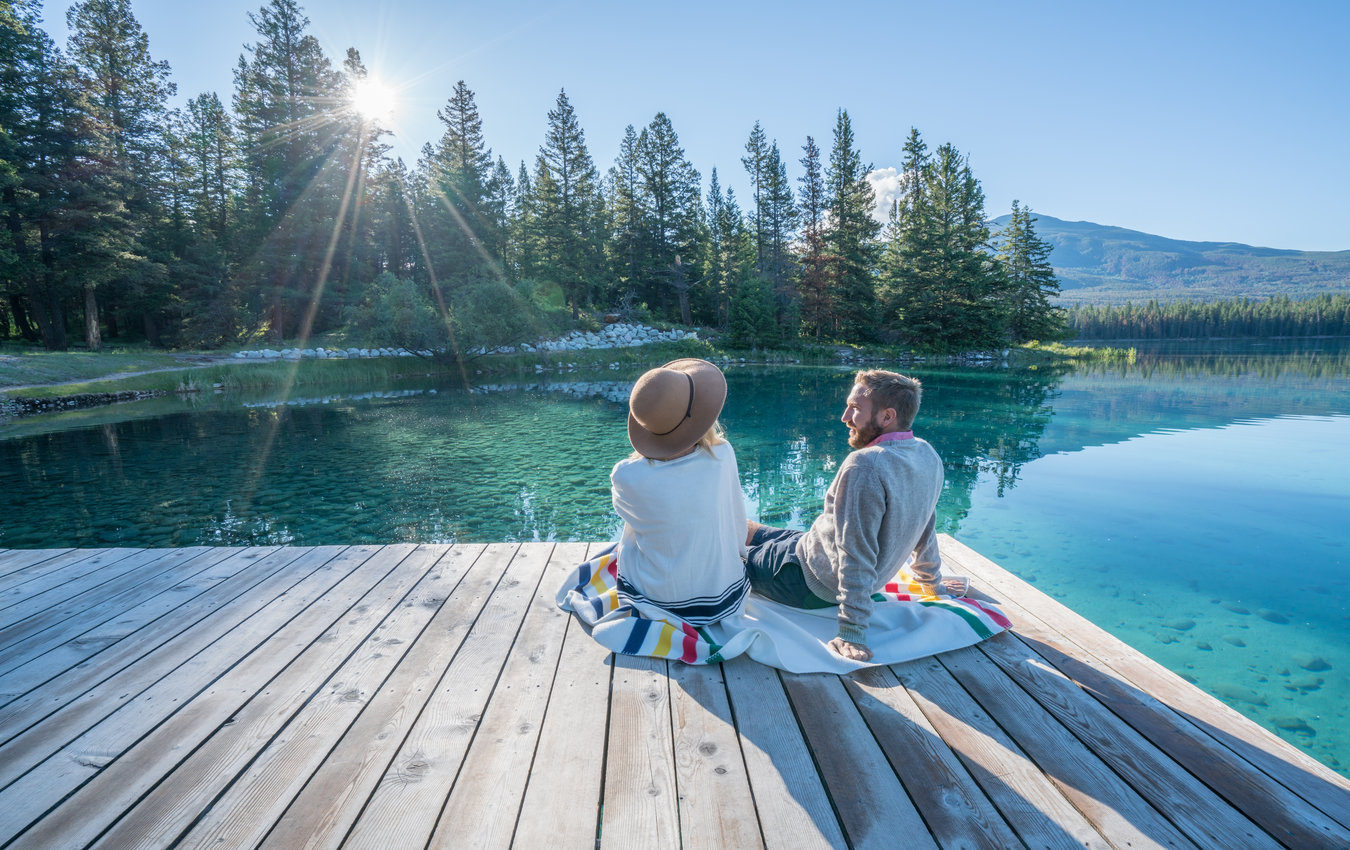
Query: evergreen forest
x=275 y=212
x=1280 y=316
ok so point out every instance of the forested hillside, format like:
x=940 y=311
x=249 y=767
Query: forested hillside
x=1098 y=264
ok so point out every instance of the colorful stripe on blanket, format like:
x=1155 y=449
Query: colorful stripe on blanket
x=591 y=592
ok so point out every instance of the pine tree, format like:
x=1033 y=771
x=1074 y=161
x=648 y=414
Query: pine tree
x=499 y=208
x=752 y=314
x=51 y=180
x=284 y=90
x=849 y=236
x=781 y=223
x=943 y=284
x=524 y=256
x=627 y=218
x=756 y=163
x=672 y=204
x=212 y=165
x=127 y=91
x=1029 y=279
x=817 y=265
x=567 y=207
x=458 y=172
x=729 y=254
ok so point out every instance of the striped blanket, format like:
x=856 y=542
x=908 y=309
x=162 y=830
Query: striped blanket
x=904 y=625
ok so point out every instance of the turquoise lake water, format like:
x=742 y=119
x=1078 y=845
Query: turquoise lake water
x=1195 y=503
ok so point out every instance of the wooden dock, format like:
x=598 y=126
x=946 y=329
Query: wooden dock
x=409 y=696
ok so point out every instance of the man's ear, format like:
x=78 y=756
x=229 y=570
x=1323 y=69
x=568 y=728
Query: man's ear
x=888 y=417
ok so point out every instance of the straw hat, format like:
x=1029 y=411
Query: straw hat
x=671 y=407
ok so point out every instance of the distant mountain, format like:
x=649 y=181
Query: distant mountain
x=1098 y=264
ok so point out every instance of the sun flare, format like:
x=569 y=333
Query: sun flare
x=373 y=100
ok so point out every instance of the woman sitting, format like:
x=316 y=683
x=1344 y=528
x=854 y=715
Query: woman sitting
x=679 y=496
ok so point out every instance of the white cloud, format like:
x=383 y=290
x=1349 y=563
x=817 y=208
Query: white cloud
x=886 y=184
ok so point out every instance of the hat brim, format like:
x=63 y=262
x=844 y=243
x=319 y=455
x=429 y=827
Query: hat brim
x=710 y=394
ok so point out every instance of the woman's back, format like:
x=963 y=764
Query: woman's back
x=684 y=533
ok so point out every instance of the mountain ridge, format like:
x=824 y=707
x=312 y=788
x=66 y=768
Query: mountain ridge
x=1105 y=264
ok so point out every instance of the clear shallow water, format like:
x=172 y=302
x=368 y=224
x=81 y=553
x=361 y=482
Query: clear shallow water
x=1194 y=503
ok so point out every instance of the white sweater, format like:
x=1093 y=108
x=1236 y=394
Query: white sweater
x=683 y=534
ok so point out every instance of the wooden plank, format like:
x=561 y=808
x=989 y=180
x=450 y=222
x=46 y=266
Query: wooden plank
x=30 y=562
x=1296 y=770
x=265 y=642
x=794 y=810
x=227 y=791
x=1186 y=801
x=404 y=808
x=866 y=793
x=640 y=806
x=485 y=802
x=717 y=808
x=74 y=566
x=29 y=638
x=562 y=798
x=334 y=796
x=957 y=812
x=1278 y=810
x=108 y=579
x=68 y=672
x=1109 y=802
x=1025 y=797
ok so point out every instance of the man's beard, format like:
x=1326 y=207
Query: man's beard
x=864 y=434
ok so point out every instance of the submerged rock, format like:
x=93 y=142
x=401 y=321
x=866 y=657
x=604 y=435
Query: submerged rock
x=1235 y=640
x=1305 y=684
x=1297 y=725
x=1312 y=663
x=1181 y=624
x=1272 y=616
x=1237 y=693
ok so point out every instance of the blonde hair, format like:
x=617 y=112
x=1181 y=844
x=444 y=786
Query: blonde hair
x=712 y=437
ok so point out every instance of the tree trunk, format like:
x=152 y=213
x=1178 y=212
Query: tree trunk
x=46 y=306
x=21 y=320
x=92 y=340
x=151 y=330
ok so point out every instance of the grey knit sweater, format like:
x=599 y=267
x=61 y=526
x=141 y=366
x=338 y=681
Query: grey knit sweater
x=879 y=508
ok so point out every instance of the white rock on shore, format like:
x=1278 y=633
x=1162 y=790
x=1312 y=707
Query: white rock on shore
x=619 y=335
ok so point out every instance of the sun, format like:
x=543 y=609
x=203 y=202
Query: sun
x=373 y=100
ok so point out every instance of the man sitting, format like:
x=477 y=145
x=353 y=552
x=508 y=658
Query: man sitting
x=880 y=508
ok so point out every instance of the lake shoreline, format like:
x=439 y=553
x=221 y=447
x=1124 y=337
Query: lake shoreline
x=216 y=372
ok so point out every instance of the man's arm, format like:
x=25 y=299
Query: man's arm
x=927 y=566
x=858 y=515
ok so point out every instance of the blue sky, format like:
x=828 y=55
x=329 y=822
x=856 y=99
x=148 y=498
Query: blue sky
x=1194 y=120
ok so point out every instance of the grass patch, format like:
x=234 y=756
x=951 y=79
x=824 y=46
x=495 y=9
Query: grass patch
x=19 y=367
x=251 y=375
x=1079 y=353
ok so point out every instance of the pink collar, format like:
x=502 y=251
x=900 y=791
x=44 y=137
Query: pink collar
x=891 y=436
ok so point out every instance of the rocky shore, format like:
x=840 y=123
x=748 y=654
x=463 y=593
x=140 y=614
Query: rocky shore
x=617 y=335
x=22 y=406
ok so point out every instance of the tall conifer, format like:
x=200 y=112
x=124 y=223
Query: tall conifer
x=567 y=207
x=849 y=236
x=1029 y=279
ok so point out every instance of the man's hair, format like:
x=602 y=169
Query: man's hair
x=893 y=390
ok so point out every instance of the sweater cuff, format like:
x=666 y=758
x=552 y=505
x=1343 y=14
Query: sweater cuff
x=853 y=634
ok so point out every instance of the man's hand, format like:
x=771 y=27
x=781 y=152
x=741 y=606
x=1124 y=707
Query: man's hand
x=851 y=651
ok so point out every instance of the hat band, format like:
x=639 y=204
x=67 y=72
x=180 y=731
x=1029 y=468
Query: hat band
x=687 y=411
